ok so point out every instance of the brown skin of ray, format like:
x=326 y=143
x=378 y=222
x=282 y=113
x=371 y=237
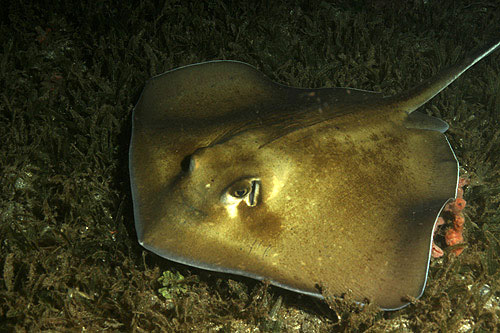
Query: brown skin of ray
x=352 y=194
x=260 y=225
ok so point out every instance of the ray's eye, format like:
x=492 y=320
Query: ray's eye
x=187 y=164
x=246 y=189
x=240 y=193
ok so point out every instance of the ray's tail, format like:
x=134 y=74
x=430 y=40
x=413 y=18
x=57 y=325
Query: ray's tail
x=410 y=100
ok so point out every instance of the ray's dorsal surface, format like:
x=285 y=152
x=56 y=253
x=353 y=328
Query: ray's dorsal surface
x=304 y=187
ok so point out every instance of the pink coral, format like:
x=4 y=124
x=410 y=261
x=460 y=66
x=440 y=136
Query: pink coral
x=454 y=232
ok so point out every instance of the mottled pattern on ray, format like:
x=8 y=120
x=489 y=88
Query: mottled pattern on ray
x=304 y=187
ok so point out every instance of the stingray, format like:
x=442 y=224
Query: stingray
x=334 y=188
